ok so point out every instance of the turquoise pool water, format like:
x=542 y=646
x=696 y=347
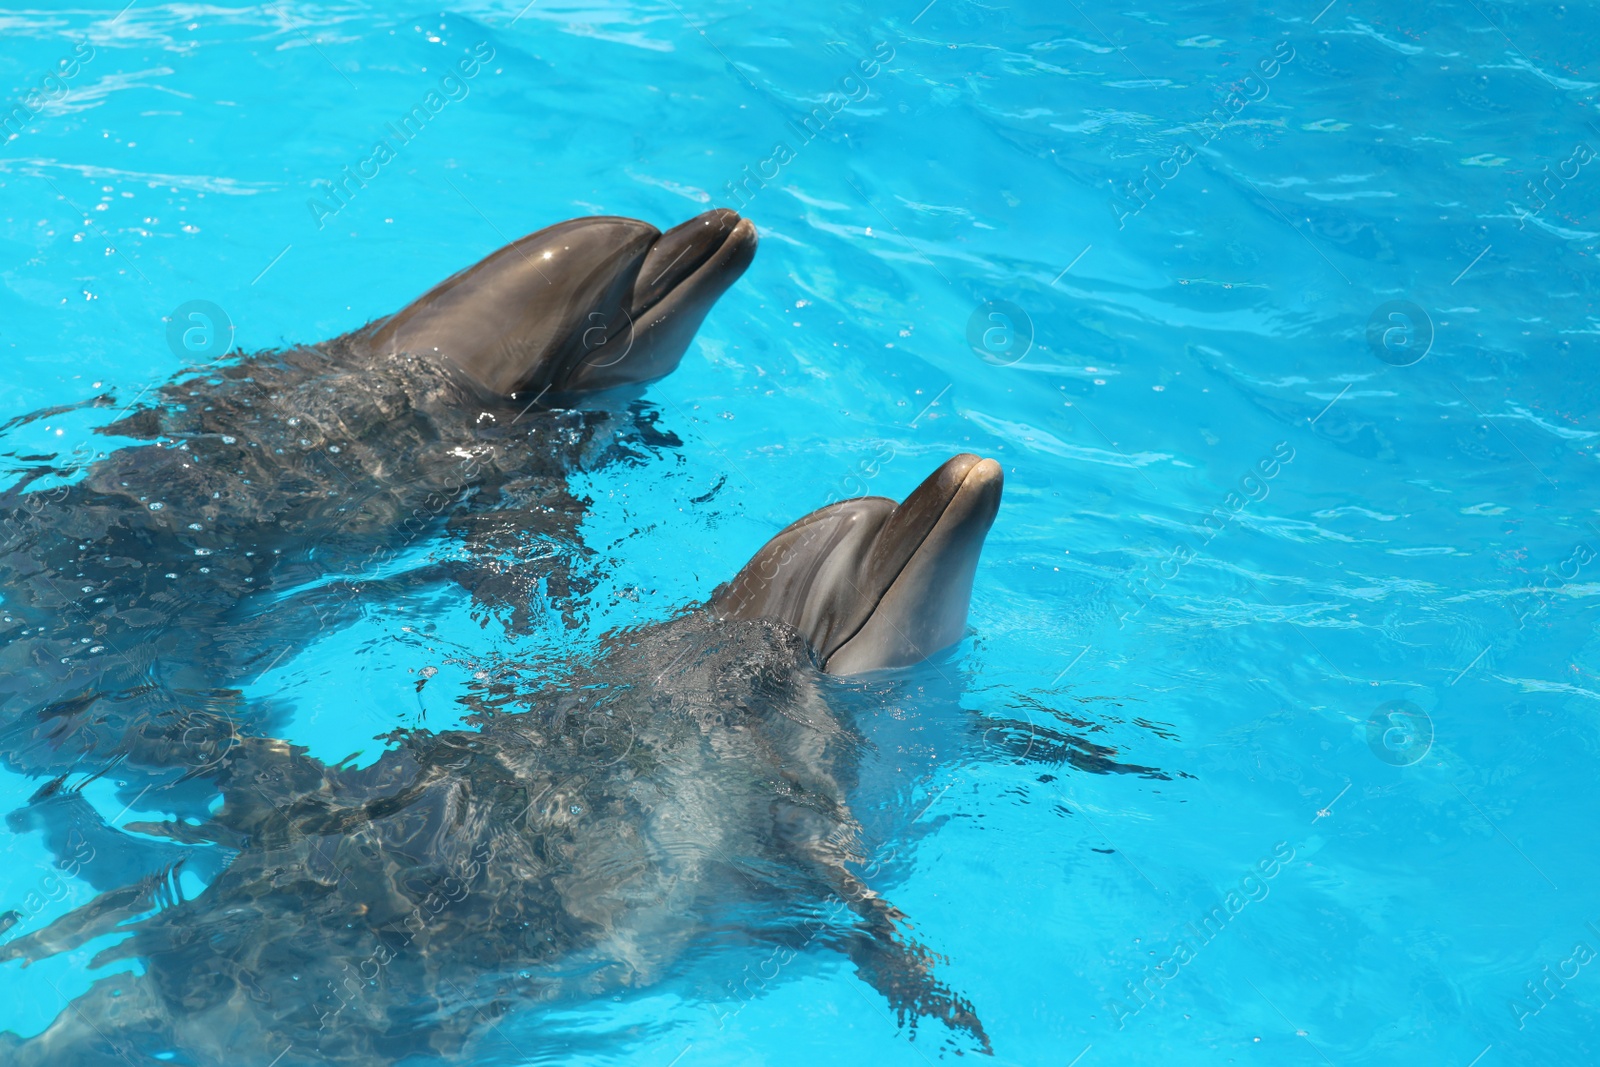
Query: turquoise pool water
x=1278 y=321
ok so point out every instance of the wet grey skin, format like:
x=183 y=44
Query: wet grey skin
x=873 y=584
x=259 y=495
x=668 y=811
x=588 y=304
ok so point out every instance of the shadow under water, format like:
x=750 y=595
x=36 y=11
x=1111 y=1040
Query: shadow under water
x=267 y=500
x=690 y=784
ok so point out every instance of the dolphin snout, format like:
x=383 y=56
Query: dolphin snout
x=720 y=235
x=981 y=483
x=927 y=552
x=978 y=496
x=872 y=584
x=683 y=274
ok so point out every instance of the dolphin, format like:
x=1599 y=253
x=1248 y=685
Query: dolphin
x=256 y=494
x=603 y=828
x=587 y=304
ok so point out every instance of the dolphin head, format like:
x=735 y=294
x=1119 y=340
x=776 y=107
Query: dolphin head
x=871 y=583
x=585 y=304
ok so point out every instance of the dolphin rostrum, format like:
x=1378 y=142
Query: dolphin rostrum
x=870 y=583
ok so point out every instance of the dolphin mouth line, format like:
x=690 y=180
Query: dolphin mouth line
x=877 y=599
x=669 y=266
x=707 y=251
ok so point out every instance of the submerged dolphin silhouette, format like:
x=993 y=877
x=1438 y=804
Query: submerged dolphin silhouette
x=692 y=776
x=683 y=789
x=263 y=488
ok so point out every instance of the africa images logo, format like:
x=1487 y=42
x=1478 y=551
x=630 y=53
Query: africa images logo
x=1399 y=733
x=999 y=332
x=1400 y=333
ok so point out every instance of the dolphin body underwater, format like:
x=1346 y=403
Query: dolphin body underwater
x=682 y=788
x=262 y=488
